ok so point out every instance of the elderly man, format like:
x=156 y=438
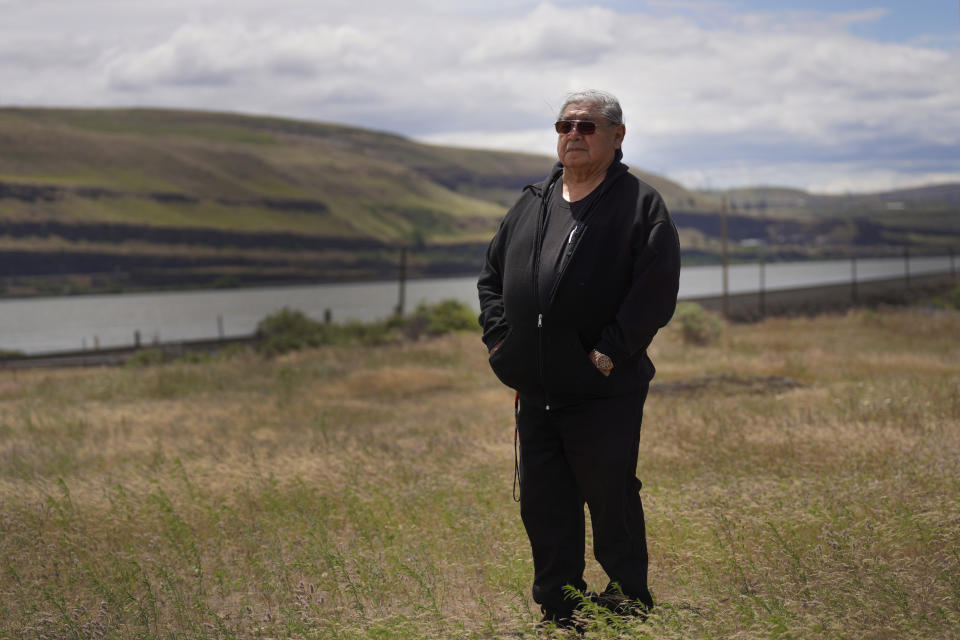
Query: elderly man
x=581 y=275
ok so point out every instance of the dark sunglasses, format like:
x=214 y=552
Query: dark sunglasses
x=584 y=127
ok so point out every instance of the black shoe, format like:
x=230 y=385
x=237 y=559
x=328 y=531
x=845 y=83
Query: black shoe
x=621 y=605
x=556 y=620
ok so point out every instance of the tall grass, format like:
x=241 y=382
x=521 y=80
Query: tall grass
x=363 y=491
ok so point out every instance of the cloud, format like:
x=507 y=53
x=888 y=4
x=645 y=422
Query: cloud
x=232 y=52
x=710 y=93
x=547 y=36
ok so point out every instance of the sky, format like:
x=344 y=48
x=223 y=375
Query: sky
x=831 y=96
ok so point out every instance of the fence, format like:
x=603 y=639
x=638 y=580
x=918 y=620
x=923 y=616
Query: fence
x=754 y=305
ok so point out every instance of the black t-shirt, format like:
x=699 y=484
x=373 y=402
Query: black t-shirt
x=564 y=221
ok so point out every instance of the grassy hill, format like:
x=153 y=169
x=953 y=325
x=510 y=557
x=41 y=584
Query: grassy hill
x=150 y=198
x=194 y=169
x=97 y=194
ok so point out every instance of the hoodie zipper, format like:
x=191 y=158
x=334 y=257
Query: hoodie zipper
x=538 y=247
x=543 y=382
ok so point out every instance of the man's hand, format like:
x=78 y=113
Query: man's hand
x=602 y=362
x=494 y=348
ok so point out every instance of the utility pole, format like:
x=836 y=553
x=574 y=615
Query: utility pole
x=763 y=288
x=723 y=238
x=906 y=265
x=853 y=279
x=401 y=300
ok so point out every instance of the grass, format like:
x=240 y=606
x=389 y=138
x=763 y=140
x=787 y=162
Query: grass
x=364 y=491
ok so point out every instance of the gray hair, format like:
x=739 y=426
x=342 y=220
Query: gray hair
x=606 y=103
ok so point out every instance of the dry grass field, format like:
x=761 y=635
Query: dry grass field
x=801 y=480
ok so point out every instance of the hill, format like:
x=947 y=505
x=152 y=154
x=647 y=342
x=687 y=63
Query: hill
x=241 y=173
x=96 y=200
x=157 y=197
x=785 y=222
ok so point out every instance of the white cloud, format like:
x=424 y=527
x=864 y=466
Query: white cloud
x=232 y=52
x=546 y=36
x=819 y=177
x=765 y=93
x=540 y=140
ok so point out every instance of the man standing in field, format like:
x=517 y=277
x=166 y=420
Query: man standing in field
x=581 y=275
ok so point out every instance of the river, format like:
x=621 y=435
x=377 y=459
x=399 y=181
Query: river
x=40 y=325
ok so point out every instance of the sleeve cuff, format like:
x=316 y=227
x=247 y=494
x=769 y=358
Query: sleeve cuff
x=495 y=336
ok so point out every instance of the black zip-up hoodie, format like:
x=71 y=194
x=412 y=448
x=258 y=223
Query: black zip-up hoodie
x=618 y=288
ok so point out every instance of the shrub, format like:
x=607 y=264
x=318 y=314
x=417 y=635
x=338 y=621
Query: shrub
x=697 y=326
x=146 y=358
x=378 y=332
x=949 y=300
x=443 y=317
x=289 y=330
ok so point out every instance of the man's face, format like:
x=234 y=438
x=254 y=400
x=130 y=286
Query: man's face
x=592 y=152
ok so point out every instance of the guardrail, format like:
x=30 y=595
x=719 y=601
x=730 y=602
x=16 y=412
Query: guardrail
x=753 y=305
x=112 y=356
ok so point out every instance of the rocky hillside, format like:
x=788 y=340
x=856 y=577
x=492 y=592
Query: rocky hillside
x=95 y=200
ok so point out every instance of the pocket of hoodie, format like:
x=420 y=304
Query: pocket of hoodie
x=594 y=373
x=570 y=363
x=502 y=364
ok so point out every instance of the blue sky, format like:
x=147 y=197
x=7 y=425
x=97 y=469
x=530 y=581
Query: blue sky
x=903 y=21
x=849 y=95
x=911 y=21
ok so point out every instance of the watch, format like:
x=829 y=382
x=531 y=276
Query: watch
x=602 y=361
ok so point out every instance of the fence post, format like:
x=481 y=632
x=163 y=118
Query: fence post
x=723 y=237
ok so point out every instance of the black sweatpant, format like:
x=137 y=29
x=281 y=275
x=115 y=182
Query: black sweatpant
x=586 y=453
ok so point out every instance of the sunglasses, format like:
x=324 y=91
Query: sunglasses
x=583 y=127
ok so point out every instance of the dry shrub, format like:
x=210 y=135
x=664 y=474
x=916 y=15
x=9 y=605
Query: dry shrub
x=697 y=326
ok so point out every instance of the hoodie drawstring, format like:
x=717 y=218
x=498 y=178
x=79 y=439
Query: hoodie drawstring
x=516 y=448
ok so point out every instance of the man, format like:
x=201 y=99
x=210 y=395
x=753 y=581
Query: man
x=580 y=276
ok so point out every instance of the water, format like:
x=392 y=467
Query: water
x=38 y=325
